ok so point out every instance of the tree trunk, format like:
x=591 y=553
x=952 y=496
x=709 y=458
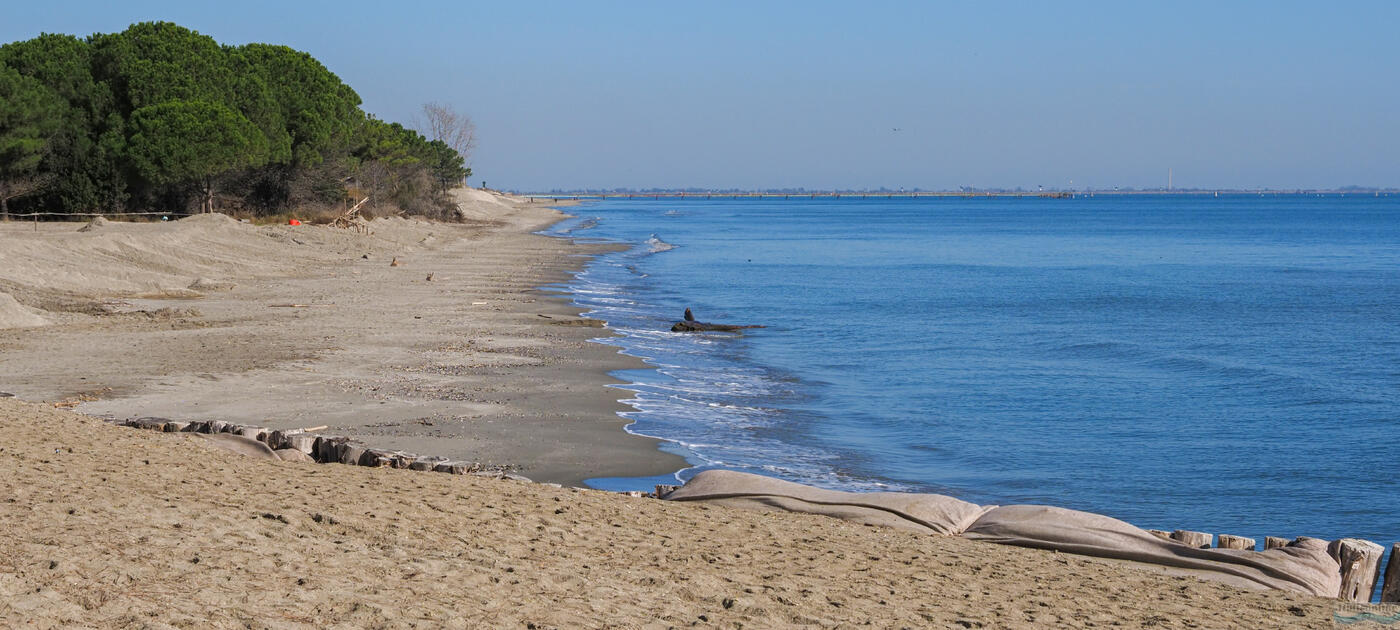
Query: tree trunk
x=4 y=206
x=208 y=204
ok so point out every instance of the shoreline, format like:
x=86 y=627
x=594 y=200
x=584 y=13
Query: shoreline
x=164 y=529
x=458 y=351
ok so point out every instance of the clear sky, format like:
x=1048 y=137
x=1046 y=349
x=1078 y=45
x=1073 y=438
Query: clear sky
x=853 y=94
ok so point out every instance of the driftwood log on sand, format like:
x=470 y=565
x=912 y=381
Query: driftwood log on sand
x=690 y=325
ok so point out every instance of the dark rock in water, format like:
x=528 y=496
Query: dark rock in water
x=690 y=325
x=707 y=327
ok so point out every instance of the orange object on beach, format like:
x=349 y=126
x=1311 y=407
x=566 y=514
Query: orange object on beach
x=293 y=222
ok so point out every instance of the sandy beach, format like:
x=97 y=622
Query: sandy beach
x=453 y=351
x=300 y=326
x=105 y=526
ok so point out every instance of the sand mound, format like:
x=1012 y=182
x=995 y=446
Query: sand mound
x=96 y=223
x=16 y=315
x=205 y=284
x=482 y=205
x=209 y=219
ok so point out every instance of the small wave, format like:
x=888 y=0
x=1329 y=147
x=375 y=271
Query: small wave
x=586 y=224
x=656 y=245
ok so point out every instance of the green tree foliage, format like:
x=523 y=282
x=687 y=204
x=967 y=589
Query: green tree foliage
x=185 y=143
x=158 y=116
x=28 y=111
x=86 y=146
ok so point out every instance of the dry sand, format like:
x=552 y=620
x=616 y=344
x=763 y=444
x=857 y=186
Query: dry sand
x=103 y=526
x=474 y=364
x=113 y=527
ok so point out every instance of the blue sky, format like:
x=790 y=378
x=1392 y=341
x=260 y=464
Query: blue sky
x=853 y=95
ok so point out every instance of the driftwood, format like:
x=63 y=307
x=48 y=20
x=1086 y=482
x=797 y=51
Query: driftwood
x=690 y=325
x=351 y=219
x=1361 y=567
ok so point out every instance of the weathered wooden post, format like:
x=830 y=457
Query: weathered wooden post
x=1361 y=567
x=1390 y=593
x=1199 y=540
x=1226 y=541
x=664 y=489
x=1160 y=533
x=1274 y=542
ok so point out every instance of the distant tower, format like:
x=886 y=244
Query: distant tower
x=1169 y=178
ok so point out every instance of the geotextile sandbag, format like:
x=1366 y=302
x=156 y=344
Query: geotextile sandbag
x=1302 y=566
x=927 y=513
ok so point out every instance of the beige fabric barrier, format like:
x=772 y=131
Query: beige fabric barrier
x=239 y=444
x=927 y=513
x=1303 y=566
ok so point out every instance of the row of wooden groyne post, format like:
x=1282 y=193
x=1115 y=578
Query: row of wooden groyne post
x=321 y=449
x=1360 y=560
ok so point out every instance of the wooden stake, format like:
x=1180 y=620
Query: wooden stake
x=1390 y=593
x=1274 y=542
x=1226 y=541
x=1361 y=567
x=1160 y=533
x=1199 y=540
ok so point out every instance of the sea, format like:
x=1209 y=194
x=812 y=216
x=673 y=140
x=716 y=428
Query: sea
x=1226 y=364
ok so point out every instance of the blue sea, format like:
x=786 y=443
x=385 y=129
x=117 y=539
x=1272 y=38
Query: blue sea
x=1224 y=364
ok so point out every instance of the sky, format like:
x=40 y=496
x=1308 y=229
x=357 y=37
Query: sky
x=852 y=95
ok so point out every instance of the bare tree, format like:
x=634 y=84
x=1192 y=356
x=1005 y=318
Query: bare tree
x=453 y=129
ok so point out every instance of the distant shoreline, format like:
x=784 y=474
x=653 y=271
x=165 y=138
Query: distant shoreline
x=931 y=194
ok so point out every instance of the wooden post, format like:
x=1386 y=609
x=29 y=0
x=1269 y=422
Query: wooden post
x=1160 y=534
x=1274 y=542
x=1361 y=567
x=1199 y=540
x=663 y=489
x=1390 y=593
x=1226 y=541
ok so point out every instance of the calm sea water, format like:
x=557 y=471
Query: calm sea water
x=1228 y=364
